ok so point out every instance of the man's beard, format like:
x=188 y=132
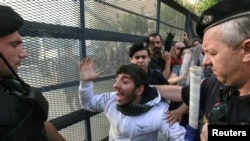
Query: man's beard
x=131 y=109
x=157 y=52
x=130 y=98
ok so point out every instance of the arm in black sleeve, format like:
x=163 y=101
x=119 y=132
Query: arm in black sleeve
x=185 y=94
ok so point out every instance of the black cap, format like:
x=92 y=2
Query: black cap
x=223 y=11
x=137 y=47
x=10 y=21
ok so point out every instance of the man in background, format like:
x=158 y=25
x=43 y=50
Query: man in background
x=160 y=59
x=140 y=55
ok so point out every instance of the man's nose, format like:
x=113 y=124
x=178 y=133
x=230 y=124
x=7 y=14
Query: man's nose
x=116 y=84
x=23 y=53
x=206 y=61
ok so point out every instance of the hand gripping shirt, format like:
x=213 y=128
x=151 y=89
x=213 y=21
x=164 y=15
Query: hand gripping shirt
x=143 y=127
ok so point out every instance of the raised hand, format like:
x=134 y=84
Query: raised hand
x=166 y=56
x=87 y=72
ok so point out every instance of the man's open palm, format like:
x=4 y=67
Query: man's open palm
x=87 y=72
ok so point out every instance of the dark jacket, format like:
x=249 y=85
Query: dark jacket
x=156 y=77
x=18 y=120
x=214 y=93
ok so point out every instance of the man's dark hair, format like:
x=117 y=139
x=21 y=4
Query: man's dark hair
x=137 y=47
x=181 y=51
x=153 y=35
x=137 y=74
x=191 y=42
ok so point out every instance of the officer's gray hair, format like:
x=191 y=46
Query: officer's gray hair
x=235 y=31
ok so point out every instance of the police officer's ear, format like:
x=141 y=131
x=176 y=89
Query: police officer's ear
x=246 y=47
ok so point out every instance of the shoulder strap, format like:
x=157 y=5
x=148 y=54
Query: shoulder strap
x=31 y=95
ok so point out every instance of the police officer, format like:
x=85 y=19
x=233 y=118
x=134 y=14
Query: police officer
x=23 y=109
x=225 y=29
x=226 y=44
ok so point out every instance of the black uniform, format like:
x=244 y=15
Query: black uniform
x=156 y=63
x=18 y=118
x=214 y=95
x=156 y=77
x=238 y=108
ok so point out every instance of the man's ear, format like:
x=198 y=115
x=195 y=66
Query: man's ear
x=246 y=47
x=140 y=90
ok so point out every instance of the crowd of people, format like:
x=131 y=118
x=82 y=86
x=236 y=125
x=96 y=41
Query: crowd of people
x=152 y=93
x=222 y=35
x=225 y=43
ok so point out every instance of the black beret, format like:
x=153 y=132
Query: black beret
x=136 y=47
x=10 y=21
x=223 y=11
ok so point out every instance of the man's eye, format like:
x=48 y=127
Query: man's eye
x=213 y=54
x=125 y=82
x=15 y=44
